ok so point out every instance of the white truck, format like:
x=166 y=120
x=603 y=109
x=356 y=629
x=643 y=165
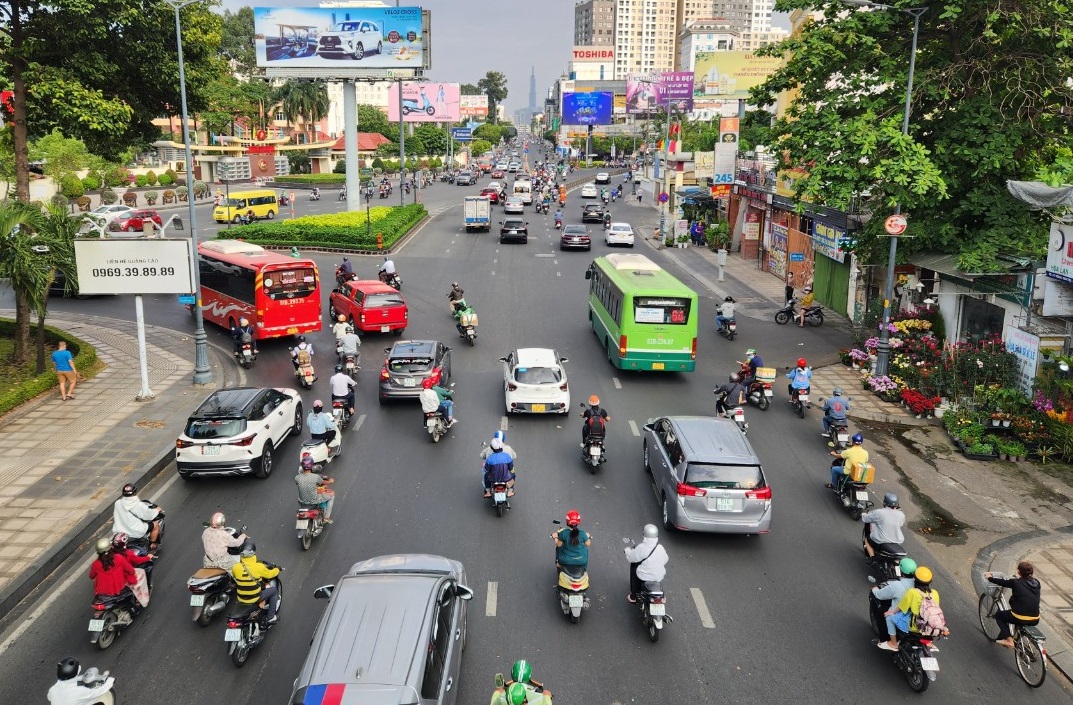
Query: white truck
x=477 y=212
x=523 y=189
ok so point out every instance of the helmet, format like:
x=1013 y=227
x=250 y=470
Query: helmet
x=349 y=329
x=857 y=439
x=67 y=669
x=318 y=404
x=129 y=490
x=651 y=531
x=516 y=694
x=923 y=574
x=501 y=436
x=249 y=548
x=454 y=285
x=521 y=671
x=103 y=545
x=730 y=299
x=733 y=377
x=594 y=400
x=345 y=259
x=119 y=541
x=496 y=444
x=301 y=339
x=217 y=520
x=338 y=368
x=426 y=383
x=307 y=462
x=573 y=518
x=890 y=500
x=341 y=318
x=837 y=391
x=243 y=321
x=907 y=567
x=750 y=352
x=802 y=362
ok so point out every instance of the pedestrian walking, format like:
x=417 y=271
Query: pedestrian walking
x=698 y=233
x=65 y=370
x=789 y=285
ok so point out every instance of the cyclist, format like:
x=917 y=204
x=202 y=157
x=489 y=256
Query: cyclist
x=1024 y=602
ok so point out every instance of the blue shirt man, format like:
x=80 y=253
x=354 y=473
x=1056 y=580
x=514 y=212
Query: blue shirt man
x=499 y=467
x=62 y=358
x=321 y=426
x=834 y=409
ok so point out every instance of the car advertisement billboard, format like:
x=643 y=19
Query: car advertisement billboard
x=646 y=93
x=728 y=75
x=587 y=108
x=334 y=37
x=425 y=102
x=475 y=106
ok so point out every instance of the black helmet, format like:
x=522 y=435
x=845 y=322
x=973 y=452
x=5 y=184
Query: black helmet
x=249 y=548
x=67 y=669
x=130 y=489
x=338 y=368
x=301 y=339
x=729 y=299
x=890 y=500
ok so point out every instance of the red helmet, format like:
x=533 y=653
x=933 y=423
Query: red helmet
x=426 y=383
x=573 y=518
x=802 y=362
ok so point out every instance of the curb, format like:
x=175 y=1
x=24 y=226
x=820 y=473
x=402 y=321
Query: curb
x=1005 y=553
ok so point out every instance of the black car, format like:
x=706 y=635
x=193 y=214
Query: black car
x=575 y=237
x=514 y=229
x=592 y=213
x=408 y=363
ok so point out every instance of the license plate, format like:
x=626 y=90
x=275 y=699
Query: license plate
x=430 y=423
x=739 y=417
x=385 y=329
x=724 y=504
x=292 y=330
x=862 y=496
x=576 y=600
x=802 y=398
x=929 y=663
x=301 y=524
x=768 y=393
x=657 y=365
x=843 y=438
x=96 y=625
x=594 y=451
x=197 y=600
x=409 y=382
x=657 y=610
x=210 y=450
x=500 y=497
x=232 y=634
x=350 y=365
x=538 y=408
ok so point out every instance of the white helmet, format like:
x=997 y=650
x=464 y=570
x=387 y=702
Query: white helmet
x=651 y=532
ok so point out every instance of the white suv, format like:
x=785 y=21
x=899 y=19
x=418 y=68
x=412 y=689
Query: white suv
x=353 y=38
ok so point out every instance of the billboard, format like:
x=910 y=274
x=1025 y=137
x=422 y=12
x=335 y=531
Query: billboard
x=728 y=75
x=147 y=266
x=649 y=93
x=339 y=37
x=587 y=108
x=425 y=102
x=594 y=53
x=473 y=106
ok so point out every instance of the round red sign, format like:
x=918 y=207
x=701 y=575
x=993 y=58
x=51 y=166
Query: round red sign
x=895 y=224
x=261 y=134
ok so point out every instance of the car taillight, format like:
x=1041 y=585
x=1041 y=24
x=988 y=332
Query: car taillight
x=180 y=443
x=761 y=493
x=98 y=607
x=435 y=376
x=384 y=374
x=693 y=350
x=563 y=387
x=362 y=318
x=512 y=387
x=245 y=441
x=685 y=490
x=233 y=624
x=622 y=346
x=406 y=314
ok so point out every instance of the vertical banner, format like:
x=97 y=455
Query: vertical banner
x=726 y=153
x=1025 y=347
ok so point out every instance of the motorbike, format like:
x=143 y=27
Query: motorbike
x=800 y=400
x=141 y=543
x=406 y=188
x=314 y=195
x=605 y=199
x=572 y=586
x=839 y=431
x=887 y=558
x=99 y=685
x=813 y=314
x=915 y=656
x=321 y=452
x=467 y=327
x=350 y=363
x=211 y=588
x=652 y=604
x=558 y=223
x=305 y=375
x=393 y=280
x=593 y=453
x=111 y=615
x=499 y=500
x=340 y=412
x=410 y=105
x=729 y=328
x=735 y=414
x=284 y=200
x=246 y=354
x=758 y=392
x=309 y=523
x=384 y=193
x=852 y=495
x=248 y=627
x=341 y=278
x=342 y=195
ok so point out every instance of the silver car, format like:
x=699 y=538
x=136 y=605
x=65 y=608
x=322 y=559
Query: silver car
x=707 y=475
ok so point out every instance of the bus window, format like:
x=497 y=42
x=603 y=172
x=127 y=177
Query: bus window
x=288 y=283
x=236 y=202
x=673 y=311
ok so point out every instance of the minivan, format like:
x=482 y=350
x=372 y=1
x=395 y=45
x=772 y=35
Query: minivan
x=262 y=202
x=707 y=475
x=393 y=632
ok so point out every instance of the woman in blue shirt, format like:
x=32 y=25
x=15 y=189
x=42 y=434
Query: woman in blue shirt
x=572 y=543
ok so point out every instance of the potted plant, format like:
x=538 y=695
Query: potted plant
x=1016 y=451
x=683 y=241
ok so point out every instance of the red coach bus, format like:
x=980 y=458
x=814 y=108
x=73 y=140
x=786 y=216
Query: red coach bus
x=280 y=295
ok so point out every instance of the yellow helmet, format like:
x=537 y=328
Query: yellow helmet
x=923 y=574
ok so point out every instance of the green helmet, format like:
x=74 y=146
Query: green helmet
x=516 y=693
x=907 y=567
x=521 y=671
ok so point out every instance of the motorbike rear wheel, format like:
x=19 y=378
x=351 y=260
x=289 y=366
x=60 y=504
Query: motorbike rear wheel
x=653 y=631
x=763 y=404
x=918 y=680
x=108 y=634
x=814 y=320
x=855 y=513
x=499 y=509
x=800 y=409
x=307 y=538
x=204 y=618
x=241 y=653
x=782 y=318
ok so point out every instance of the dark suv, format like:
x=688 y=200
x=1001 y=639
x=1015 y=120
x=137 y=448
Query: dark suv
x=408 y=363
x=592 y=212
x=514 y=229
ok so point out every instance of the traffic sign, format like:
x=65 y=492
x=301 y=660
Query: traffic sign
x=797 y=256
x=895 y=224
x=664 y=197
x=462 y=134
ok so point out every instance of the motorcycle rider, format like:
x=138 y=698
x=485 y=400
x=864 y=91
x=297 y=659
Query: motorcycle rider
x=349 y=343
x=498 y=442
x=749 y=367
x=572 y=542
x=340 y=326
x=834 y=409
x=726 y=313
x=313 y=488
x=387 y=270
x=894 y=590
x=596 y=419
x=297 y=357
x=854 y=455
x=887 y=523
x=315 y=194
x=800 y=379
x=438 y=399
x=135 y=518
x=243 y=328
x=69 y=688
x=120 y=548
x=730 y=394
x=461 y=310
x=111 y=574
x=558 y=218
x=321 y=425
x=342 y=387
x=648 y=561
x=901 y=617
x=250 y=574
x=521 y=672
x=499 y=467
x=345 y=271
x=215 y=540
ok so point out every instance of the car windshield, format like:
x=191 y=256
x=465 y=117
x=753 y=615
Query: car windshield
x=514 y=224
x=724 y=477
x=575 y=230
x=286 y=283
x=621 y=229
x=410 y=365
x=211 y=429
x=648 y=309
x=538 y=375
x=383 y=300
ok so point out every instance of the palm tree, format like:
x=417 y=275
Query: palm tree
x=303 y=101
x=56 y=230
x=22 y=265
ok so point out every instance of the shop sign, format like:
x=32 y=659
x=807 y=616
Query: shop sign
x=751 y=230
x=825 y=240
x=1025 y=347
x=1060 y=253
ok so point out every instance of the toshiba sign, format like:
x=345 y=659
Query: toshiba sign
x=594 y=54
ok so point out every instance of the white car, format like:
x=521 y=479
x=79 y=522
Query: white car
x=619 y=234
x=103 y=215
x=514 y=205
x=352 y=38
x=603 y=177
x=534 y=382
x=589 y=191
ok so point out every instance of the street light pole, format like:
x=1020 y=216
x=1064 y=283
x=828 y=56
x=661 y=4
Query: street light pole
x=883 y=347
x=202 y=370
x=664 y=175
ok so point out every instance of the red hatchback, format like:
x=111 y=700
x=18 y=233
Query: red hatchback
x=492 y=193
x=134 y=221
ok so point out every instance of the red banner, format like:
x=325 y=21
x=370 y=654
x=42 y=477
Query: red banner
x=261 y=149
x=7 y=103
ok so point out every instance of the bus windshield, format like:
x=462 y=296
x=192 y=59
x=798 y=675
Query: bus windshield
x=661 y=310
x=289 y=283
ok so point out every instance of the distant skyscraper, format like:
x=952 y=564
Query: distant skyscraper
x=745 y=15
x=532 y=92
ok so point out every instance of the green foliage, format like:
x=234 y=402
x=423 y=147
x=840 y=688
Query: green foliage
x=1059 y=172
x=373 y=119
x=387 y=150
x=172 y=175
x=141 y=180
x=311 y=179
x=415 y=145
x=85 y=362
x=116 y=176
x=479 y=146
x=303 y=101
x=61 y=155
x=237 y=40
x=299 y=162
x=166 y=179
x=491 y=133
x=108 y=196
x=71 y=186
x=378 y=163
x=151 y=197
x=91 y=182
x=469 y=89
x=434 y=137
x=494 y=85
x=340 y=167
x=151 y=179
x=338 y=230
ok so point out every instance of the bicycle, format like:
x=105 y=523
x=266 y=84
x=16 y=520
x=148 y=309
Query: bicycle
x=1028 y=651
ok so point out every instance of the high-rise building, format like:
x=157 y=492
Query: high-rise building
x=745 y=15
x=532 y=92
x=703 y=36
x=594 y=23
x=645 y=36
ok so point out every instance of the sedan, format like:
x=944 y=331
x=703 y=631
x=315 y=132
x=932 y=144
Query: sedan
x=589 y=191
x=575 y=237
x=497 y=173
x=102 y=215
x=492 y=193
x=603 y=178
x=534 y=382
x=619 y=234
x=592 y=212
x=514 y=229
x=409 y=363
x=134 y=221
x=514 y=205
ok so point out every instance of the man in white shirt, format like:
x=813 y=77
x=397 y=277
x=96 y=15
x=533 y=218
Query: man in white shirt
x=387 y=269
x=343 y=387
x=135 y=518
x=648 y=562
x=349 y=343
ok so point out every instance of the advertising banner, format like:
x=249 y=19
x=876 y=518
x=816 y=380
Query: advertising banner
x=334 y=37
x=728 y=75
x=587 y=108
x=726 y=154
x=1060 y=253
x=646 y=93
x=825 y=240
x=156 y=266
x=426 y=102
x=1025 y=347
x=474 y=106
x=594 y=53
x=676 y=87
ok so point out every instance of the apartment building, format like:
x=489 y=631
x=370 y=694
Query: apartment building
x=745 y=15
x=751 y=41
x=594 y=23
x=704 y=36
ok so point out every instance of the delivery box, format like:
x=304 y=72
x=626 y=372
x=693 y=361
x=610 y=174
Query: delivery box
x=766 y=374
x=863 y=472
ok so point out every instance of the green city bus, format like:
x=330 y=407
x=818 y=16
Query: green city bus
x=643 y=317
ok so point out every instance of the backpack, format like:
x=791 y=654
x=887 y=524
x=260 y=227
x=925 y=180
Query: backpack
x=302 y=357
x=930 y=621
x=596 y=424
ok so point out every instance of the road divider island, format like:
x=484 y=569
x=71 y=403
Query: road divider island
x=373 y=230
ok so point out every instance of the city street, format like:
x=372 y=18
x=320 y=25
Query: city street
x=779 y=617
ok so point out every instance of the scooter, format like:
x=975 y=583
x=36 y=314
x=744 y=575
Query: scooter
x=342 y=195
x=111 y=615
x=499 y=500
x=916 y=654
x=436 y=425
x=852 y=495
x=284 y=200
x=309 y=523
x=314 y=195
x=839 y=434
x=652 y=603
x=887 y=558
x=341 y=278
x=305 y=375
x=393 y=280
x=99 y=689
x=759 y=393
x=247 y=628
x=800 y=400
x=350 y=364
x=737 y=415
x=467 y=327
x=321 y=452
x=813 y=314
x=211 y=588
x=729 y=328
x=340 y=412
x=593 y=453
x=572 y=585
x=410 y=106
x=558 y=223
x=246 y=353
x=141 y=544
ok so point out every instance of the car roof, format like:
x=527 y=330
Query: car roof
x=232 y=401
x=371 y=286
x=593 y=207
x=410 y=348
x=574 y=227
x=621 y=225
x=709 y=439
x=408 y=562
x=536 y=357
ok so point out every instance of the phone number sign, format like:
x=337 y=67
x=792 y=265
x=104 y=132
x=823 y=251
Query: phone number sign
x=133 y=266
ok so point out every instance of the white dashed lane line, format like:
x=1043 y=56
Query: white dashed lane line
x=491 y=600
x=633 y=428
x=616 y=382
x=358 y=423
x=706 y=620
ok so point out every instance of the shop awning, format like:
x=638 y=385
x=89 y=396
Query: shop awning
x=947 y=264
x=694 y=195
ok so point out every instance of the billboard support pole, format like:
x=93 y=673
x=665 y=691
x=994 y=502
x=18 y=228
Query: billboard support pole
x=402 y=150
x=352 y=184
x=143 y=363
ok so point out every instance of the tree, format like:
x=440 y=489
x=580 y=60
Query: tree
x=492 y=133
x=237 y=41
x=373 y=119
x=62 y=156
x=56 y=230
x=415 y=146
x=990 y=103
x=493 y=85
x=433 y=137
x=229 y=99
x=470 y=89
x=478 y=147
x=305 y=102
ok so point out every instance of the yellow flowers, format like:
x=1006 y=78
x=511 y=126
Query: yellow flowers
x=912 y=324
x=343 y=220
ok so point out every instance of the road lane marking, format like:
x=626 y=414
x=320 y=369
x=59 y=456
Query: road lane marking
x=617 y=383
x=493 y=272
x=633 y=428
x=358 y=423
x=492 y=599
x=503 y=423
x=702 y=608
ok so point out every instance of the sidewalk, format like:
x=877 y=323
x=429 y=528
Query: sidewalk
x=62 y=463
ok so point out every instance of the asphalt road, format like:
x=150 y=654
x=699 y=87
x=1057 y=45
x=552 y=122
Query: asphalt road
x=773 y=618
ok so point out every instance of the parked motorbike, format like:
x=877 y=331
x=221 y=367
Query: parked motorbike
x=246 y=354
x=652 y=603
x=887 y=558
x=499 y=500
x=321 y=452
x=247 y=628
x=309 y=523
x=340 y=412
x=99 y=689
x=813 y=314
x=572 y=586
x=111 y=615
x=305 y=375
x=728 y=328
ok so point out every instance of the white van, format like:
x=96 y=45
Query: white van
x=524 y=191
